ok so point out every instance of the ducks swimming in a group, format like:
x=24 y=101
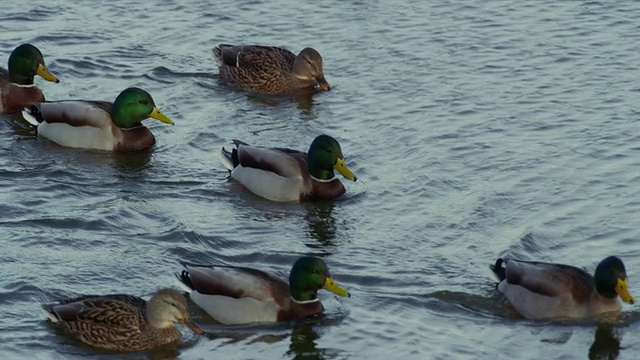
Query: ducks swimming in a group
x=240 y=295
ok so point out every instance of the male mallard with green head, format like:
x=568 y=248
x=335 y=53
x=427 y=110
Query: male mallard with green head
x=270 y=70
x=238 y=295
x=280 y=174
x=17 y=89
x=540 y=290
x=123 y=322
x=98 y=125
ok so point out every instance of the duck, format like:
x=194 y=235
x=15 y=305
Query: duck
x=239 y=295
x=287 y=175
x=17 y=88
x=540 y=290
x=269 y=69
x=98 y=125
x=123 y=322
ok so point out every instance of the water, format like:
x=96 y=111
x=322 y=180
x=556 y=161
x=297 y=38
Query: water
x=479 y=129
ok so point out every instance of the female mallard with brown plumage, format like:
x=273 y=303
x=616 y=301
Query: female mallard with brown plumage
x=540 y=290
x=270 y=70
x=280 y=174
x=123 y=322
x=98 y=125
x=238 y=295
x=17 y=88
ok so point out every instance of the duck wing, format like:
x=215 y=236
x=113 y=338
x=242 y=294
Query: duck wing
x=287 y=163
x=230 y=281
x=72 y=112
x=122 y=315
x=254 y=57
x=550 y=279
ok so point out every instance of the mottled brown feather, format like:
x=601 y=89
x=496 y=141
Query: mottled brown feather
x=113 y=322
x=260 y=69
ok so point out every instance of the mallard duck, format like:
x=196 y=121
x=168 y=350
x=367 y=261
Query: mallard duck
x=123 y=322
x=98 y=125
x=280 y=174
x=270 y=70
x=540 y=290
x=238 y=295
x=17 y=89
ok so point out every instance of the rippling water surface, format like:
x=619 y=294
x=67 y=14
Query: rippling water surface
x=479 y=129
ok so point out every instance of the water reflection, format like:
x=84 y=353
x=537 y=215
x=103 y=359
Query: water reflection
x=304 y=101
x=166 y=354
x=19 y=125
x=132 y=162
x=321 y=224
x=303 y=343
x=606 y=344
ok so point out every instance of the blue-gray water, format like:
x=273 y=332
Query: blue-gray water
x=478 y=129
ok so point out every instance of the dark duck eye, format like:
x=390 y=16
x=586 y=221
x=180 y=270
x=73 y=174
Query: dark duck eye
x=144 y=102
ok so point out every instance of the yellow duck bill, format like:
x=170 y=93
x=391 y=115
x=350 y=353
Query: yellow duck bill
x=156 y=114
x=42 y=71
x=623 y=292
x=331 y=285
x=342 y=168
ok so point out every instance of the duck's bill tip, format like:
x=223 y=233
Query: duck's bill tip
x=45 y=74
x=193 y=327
x=156 y=114
x=323 y=84
x=331 y=285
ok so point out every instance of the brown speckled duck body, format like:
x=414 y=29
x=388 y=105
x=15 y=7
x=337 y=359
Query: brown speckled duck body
x=270 y=70
x=122 y=322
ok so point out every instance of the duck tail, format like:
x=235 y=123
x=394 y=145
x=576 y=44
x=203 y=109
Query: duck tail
x=47 y=309
x=185 y=281
x=32 y=114
x=498 y=270
x=227 y=157
x=230 y=159
x=217 y=55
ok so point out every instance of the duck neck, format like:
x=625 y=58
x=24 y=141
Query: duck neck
x=122 y=118
x=321 y=174
x=20 y=79
x=304 y=297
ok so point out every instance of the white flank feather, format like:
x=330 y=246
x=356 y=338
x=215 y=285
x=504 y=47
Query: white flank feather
x=85 y=137
x=230 y=311
x=532 y=305
x=269 y=185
